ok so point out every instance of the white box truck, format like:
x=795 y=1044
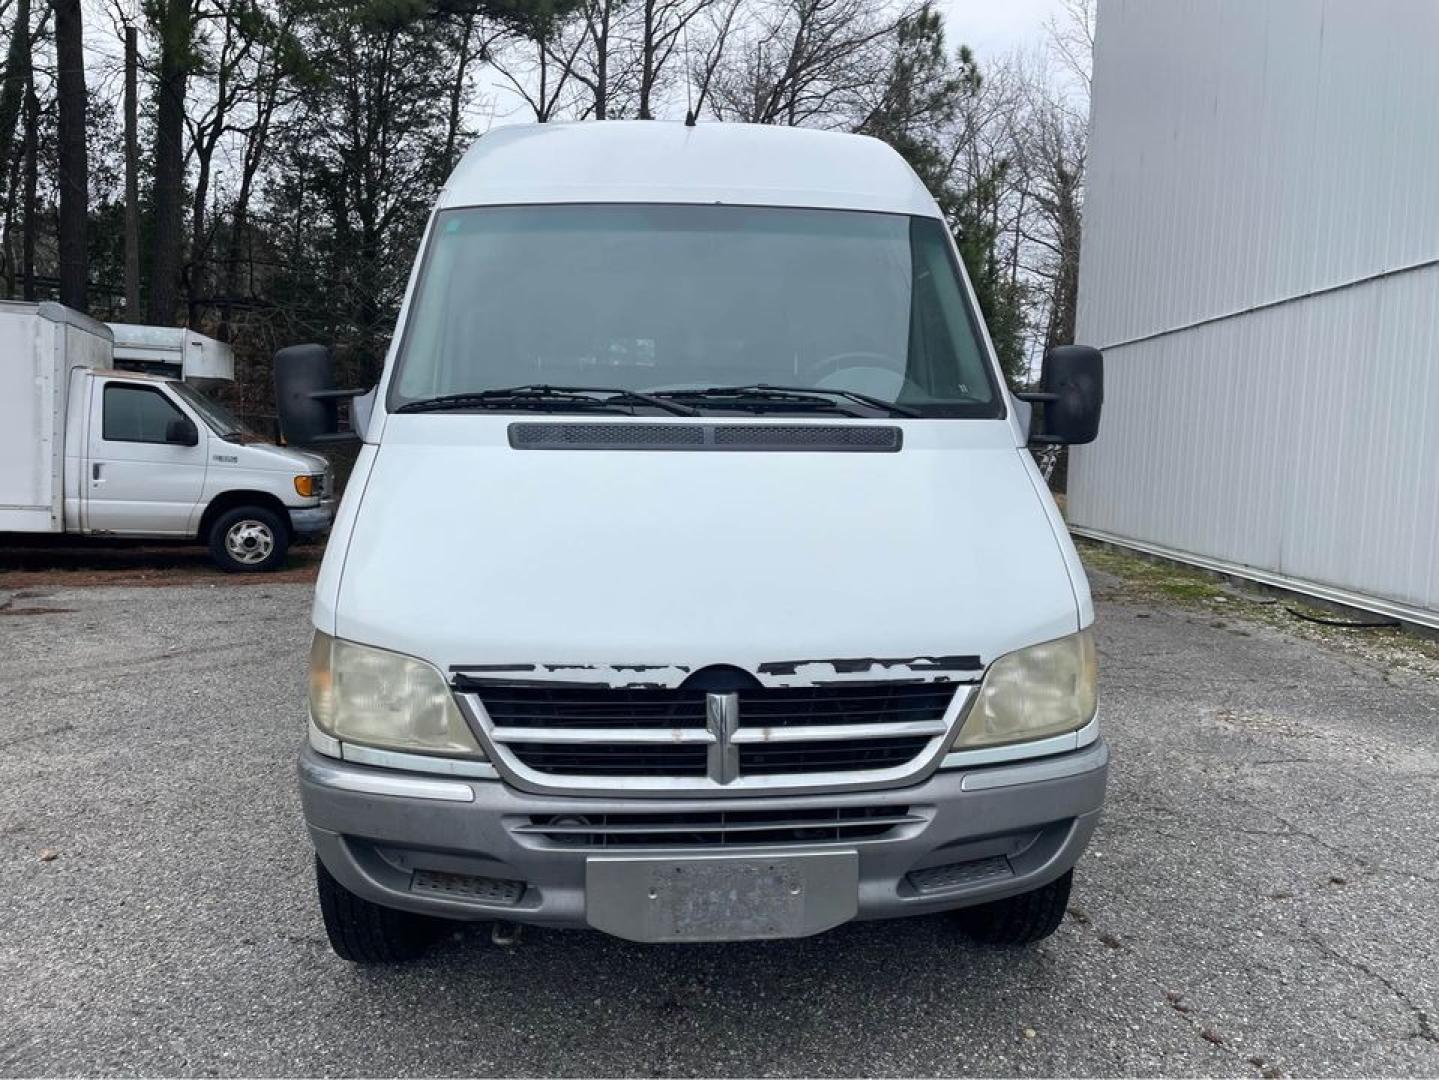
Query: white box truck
x=90 y=450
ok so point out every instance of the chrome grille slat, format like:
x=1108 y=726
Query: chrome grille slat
x=760 y=734
x=623 y=736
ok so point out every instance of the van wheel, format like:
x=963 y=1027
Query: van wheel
x=1022 y=919
x=247 y=539
x=366 y=933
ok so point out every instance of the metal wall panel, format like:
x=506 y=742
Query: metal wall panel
x=1278 y=156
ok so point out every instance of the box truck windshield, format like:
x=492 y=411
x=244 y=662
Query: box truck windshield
x=674 y=298
x=217 y=417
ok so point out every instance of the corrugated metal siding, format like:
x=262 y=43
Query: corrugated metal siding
x=1247 y=154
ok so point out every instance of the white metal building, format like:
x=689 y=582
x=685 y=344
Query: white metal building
x=1261 y=268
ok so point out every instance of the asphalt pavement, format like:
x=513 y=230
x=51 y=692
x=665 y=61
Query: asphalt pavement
x=1262 y=898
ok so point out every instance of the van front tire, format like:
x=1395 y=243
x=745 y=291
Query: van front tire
x=366 y=933
x=1019 y=920
x=249 y=539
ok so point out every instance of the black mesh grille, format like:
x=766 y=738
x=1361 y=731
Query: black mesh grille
x=807 y=437
x=580 y=707
x=728 y=828
x=848 y=755
x=606 y=436
x=874 y=703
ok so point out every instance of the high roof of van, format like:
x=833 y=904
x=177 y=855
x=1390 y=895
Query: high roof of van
x=667 y=162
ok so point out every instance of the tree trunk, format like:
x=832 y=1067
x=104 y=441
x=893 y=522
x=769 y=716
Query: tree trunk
x=175 y=31
x=31 y=182
x=73 y=177
x=457 y=90
x=602 y=62
x=17 y=77
x=132 y=175
x=647 y=61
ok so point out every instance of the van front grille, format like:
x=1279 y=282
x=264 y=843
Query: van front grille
x=725 y=828
x=587 y=738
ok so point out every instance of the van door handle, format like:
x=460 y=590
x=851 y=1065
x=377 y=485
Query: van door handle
x=95 y=471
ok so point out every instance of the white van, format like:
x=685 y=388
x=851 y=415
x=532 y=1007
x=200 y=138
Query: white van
x=694 y=581
x=89 y=450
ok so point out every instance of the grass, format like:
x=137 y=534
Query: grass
x=1129 y=577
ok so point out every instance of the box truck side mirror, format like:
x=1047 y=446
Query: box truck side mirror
x=1071 y=389
x=182 y=432
x=306 y=399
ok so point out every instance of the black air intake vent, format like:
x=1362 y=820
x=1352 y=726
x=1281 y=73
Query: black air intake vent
x=607 y=436
x=823 y=438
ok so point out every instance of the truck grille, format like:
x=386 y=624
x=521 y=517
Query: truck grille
x=587 y=738
x=722 y=828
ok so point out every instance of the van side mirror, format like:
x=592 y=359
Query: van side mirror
x=182 y=432
x=1071 y=389
x=306 y=398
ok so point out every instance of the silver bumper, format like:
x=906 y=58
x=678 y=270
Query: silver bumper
x=969 y=836
x=310 y=520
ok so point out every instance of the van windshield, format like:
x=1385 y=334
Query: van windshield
x=670 y=298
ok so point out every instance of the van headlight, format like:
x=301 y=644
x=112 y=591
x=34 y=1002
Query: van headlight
x=1047 y=689
x=379 y=698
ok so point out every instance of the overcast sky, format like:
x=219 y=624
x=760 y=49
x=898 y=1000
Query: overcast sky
x=992 y=27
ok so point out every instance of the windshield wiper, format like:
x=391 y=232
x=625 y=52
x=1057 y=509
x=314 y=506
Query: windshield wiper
x=540 y=395
x=768 y=392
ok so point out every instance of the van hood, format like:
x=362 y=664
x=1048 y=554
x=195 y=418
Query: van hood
x=478 y=556
x=262 y=455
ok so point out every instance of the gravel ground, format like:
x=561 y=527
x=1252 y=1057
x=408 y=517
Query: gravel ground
x=1262 y=898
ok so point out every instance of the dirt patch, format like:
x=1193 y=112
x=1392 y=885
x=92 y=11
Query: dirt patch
x=1132 y=578
x=42 y=563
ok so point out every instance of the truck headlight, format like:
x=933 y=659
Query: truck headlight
x=379 y=698
x=1047 y=689
x=309 y=487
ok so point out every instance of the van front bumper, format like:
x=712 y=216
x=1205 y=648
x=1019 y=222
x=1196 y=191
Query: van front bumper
x=312 y=520
x=469 y=849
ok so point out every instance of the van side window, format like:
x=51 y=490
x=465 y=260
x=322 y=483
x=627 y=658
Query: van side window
x=136 y=414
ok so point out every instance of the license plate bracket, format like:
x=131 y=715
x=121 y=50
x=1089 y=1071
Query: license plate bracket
x=722 y=897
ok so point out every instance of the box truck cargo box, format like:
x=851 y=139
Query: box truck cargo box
x=40 y=346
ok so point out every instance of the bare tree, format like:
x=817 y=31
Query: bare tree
x=72 y=172
x=1071 y=37
x=13 y=89
x=808 y=62
x=17 y=75
x=174 y=25
x=707 y=64
x=664 y=26
x=31 y=172
x=205 y=133
x=132 y=172
x=538 y=63
x=598 y=58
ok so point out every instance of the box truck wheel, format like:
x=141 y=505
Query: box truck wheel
x=366 y=933
x=1022 y=919
x=248 y=538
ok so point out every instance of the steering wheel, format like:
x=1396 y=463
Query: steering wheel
x=850 y=371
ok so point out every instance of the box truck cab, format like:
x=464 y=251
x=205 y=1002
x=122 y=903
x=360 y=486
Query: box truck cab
x=90 y=450
x=694 y=581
